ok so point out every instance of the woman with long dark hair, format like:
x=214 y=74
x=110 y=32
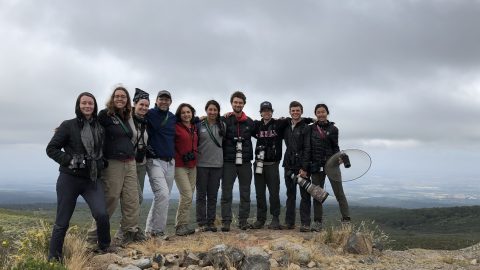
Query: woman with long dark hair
x=209 y=166
x=81 y=162
x=186 y=148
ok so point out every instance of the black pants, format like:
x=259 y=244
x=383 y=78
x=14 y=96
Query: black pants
x=305 y=202
x=230 y=173
x=208 y=182
x=69 y=187
x=270 y=179
x=319 y=179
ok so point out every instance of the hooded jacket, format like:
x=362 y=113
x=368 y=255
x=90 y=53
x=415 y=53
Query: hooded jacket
x=67 y=137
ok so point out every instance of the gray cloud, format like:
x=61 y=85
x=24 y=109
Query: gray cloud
x=399 y=74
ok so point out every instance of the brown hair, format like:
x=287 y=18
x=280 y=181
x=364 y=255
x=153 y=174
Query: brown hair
x=238 y=94
x=295 y=104
x=126 y=112
x=178 y=113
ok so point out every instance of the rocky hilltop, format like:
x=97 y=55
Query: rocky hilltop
x=267 y=249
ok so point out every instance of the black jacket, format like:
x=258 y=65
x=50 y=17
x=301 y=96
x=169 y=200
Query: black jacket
x=67 y=136
x=323 y=143
x=297 y=145
x=270 y=136
x=118 y=143
x=235 y=129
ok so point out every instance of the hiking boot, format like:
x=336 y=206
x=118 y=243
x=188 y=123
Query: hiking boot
x=316 y=226
x=226 y=227
x=183 y=230
x=288 y=226
x=211 y=228
x=127 y=238
x=275 y=224
x=139 y=236
x=346 y=220
x=258 y=224
x=244 y=225
x=304 y=228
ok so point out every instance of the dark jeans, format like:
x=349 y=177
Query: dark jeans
x=208 y=182
x=270 y=178
x=319 y=179
x=69 y=187
x=305 y=202
x=230 y=173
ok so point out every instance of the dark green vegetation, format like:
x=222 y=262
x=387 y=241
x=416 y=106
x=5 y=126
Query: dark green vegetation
x=430 y=228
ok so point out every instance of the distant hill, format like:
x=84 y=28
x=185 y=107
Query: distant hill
x=431 y=228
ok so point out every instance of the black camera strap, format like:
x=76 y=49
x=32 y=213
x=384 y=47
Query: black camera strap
x=211 y=134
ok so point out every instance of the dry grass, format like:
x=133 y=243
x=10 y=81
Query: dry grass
x=76 y=254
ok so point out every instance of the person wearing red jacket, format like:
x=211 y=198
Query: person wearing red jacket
x=186 y=144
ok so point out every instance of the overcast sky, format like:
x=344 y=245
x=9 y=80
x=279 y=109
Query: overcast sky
x=401 y=78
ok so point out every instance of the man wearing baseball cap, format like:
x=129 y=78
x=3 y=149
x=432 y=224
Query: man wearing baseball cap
x=160 y=161
x=268 y=153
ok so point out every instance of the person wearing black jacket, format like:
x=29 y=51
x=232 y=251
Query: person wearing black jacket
x=323 y=141
x=120 y=178
x=268 y=153
x=296 y=137
x=81 y=162
x=237 y=157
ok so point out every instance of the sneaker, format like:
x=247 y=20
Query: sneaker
x=183 y=230
x=258 y=224
x=304 y=228
x=274 y=224
x=226 y=227
x=316 y=226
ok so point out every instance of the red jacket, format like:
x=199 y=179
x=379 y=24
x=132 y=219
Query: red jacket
x=185 y=139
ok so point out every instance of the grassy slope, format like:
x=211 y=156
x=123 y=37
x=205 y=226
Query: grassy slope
x=433 y=228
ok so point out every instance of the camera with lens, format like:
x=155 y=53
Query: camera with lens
x=238 y=150
x=316 y=191
x=77 y=162
x=260 y=158
x=141 y=153
x=190 y=156
x=345 y=160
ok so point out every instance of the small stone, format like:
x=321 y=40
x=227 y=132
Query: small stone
x=208 y=268
x=273 y=263
x=142 y=263
x=255 y=262
x=117 y=267
x=252 y=251
x=172 y=259
x=190 y=259
x=311 y=264
x=293 y=266
x=474 y=262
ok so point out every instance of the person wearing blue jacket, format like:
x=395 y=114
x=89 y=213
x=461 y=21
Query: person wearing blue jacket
x=160 y=161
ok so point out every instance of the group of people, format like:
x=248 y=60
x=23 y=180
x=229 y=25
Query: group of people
x=105 y=156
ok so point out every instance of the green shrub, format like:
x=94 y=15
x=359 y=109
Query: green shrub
x=38 y=264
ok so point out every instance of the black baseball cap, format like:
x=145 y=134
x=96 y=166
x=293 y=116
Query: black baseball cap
x=266 y=106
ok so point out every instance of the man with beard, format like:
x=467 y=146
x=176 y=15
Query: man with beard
x=237 y=157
